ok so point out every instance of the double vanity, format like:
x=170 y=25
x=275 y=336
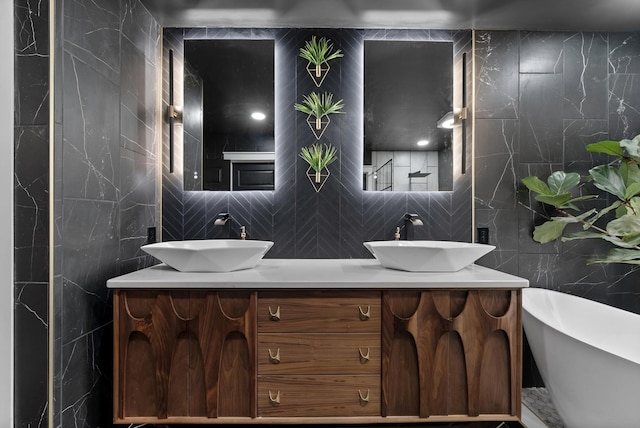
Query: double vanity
x=308 y=341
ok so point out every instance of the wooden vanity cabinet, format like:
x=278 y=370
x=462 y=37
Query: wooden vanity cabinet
x=360 y=356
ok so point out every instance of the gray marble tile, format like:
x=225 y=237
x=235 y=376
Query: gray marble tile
x=91 y=133
x=137 y=202
x=497 y=158
x=31 y=96
x=624 y=53
x=585 y=76
x=624 y=106
x=92 y=34
x=31 y=329
x=541 y=118
x=542 y=52
x=497 y=74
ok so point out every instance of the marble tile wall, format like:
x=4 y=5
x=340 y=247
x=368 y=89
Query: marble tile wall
x=541 y=97
x=304 y=224
x=105 y=191
x=31 y=211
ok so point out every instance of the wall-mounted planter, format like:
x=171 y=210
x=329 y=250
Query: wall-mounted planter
x=319 y=53
x=318 y=179
x=318 y=157
x=318 y=72
x=318 y=108
x=318 y=125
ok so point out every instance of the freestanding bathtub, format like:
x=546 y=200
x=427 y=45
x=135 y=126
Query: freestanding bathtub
x=589 y=357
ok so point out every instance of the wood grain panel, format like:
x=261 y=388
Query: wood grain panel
x=401 y=383
x=495 y=379
x=178 y=391
x=186 y=334
x=321 y=312
x=301 y=396
x=456 y=334
x=236 y=377
x=140 y=388
x=212 y=328
x=318 y=353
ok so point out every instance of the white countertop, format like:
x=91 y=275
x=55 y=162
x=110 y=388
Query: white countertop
x=317 y=273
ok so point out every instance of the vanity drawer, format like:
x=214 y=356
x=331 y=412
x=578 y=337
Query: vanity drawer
x=319 y=312
x=300 y=396
x=319 y=353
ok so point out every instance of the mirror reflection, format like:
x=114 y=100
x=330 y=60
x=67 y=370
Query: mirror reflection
x=408 y=99
x=228 y=114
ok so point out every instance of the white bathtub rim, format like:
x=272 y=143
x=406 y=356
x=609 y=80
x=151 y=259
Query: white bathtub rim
x=624 y=353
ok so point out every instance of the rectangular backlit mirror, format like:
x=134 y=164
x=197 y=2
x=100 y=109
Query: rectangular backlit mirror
x=408 y=99
x=228 y=114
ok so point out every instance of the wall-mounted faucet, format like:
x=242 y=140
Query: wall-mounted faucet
x=221 y=219
x=410 y=221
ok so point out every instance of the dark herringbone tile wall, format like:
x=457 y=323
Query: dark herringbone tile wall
x=304 y=224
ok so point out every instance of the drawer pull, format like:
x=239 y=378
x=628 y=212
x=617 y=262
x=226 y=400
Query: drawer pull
x=275 y=359
x=364 y=399
x=274 y=316
x=364 y=357
x=276 y=400
x=365 y=315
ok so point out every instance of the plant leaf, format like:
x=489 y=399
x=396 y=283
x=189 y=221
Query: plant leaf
x=319 y=51
x=619 y=255
x=548 y=231
x=534 y=184
x=555 y=200
x=609 y=147
x=632 y=146
x=627 y=225
x=608 y=178
x=561 y=182
x=602 y=212
x=632 y=190
x=630 y=172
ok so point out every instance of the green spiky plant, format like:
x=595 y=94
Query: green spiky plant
x=619 y=178
x=319 y=106
x=318 y=52
x=318 y=157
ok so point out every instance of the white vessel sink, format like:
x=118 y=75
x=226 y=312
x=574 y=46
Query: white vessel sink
x=427 y=256
x=211 y=255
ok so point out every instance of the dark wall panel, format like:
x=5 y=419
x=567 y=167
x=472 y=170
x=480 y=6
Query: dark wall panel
x=334 y=222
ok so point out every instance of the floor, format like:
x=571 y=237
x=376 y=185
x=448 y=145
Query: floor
x=538 y=410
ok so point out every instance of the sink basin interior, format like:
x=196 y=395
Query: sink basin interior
x=427 y=256
x=210 y=255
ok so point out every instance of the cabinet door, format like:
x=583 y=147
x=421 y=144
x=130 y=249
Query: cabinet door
x=451 y=353
x=184 y=354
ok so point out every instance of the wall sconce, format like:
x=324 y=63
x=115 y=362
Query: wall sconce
x=174 y=113
x=452 y=118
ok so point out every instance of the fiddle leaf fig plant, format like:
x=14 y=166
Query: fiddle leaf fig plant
x=319 y=106
x=318 y=52
x=619 y=178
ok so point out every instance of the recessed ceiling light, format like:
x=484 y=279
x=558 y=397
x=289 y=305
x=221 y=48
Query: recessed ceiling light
x=423 y=142
x=257 y=115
